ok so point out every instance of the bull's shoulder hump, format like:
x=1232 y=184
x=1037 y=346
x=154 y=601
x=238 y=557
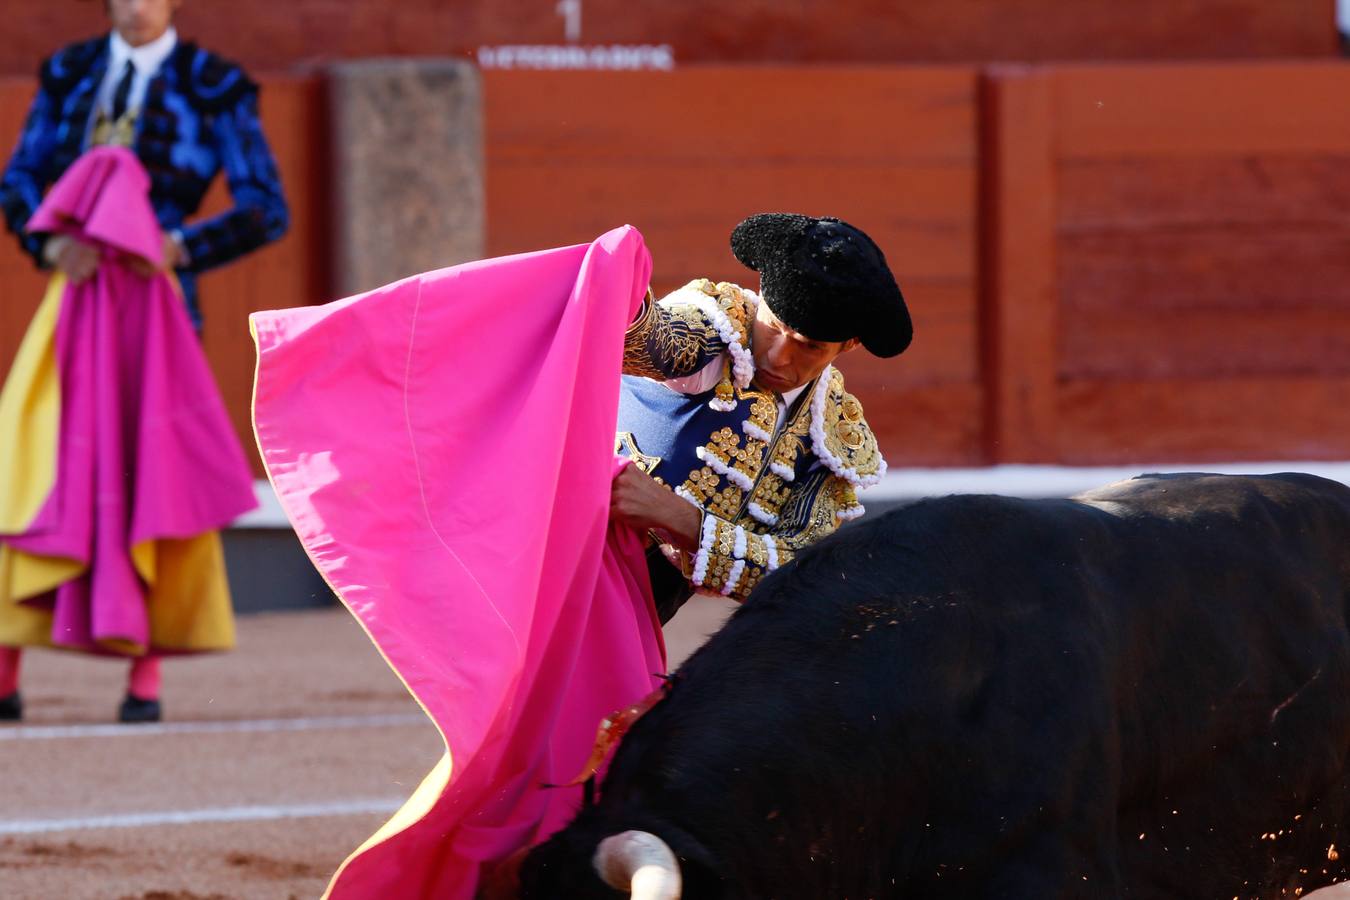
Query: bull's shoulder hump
x=1178 y=494
x=972 y=513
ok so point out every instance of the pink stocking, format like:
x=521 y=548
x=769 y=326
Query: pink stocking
x=9 y=670
x=143 y=679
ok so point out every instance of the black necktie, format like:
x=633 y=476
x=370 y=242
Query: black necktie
x=123 y=93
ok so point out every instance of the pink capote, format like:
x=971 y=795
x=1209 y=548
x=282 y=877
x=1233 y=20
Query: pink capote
x=146 y=449
x=444 y=449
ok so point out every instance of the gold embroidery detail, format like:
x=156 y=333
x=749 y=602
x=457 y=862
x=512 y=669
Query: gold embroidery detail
x=115 y=133
x=727 y=502
x=624 y=440
x=725 y=390
x=756 y=552
x=732 y=302
x=849 y=434
x=751 y=577
x=763 y=410
x=726 y=540
x=636 y=359
x=669 y=339
x=702 y=484
x=850 y=439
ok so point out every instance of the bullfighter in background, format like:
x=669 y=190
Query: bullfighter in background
x=183 y=115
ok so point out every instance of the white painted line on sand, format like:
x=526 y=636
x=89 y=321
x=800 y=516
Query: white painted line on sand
x=198 y=816
x=312 y=723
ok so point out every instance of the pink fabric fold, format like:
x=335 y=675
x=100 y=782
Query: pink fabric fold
x=146 y=450
x=444 y=449
x=104 y=199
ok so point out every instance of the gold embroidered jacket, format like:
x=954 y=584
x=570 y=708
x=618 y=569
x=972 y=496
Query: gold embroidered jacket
x=691 y=415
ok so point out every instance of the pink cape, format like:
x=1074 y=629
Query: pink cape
x=444 y=449
x=145 y=449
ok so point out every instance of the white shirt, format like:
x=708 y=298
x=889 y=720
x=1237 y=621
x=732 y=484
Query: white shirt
x=145 y=59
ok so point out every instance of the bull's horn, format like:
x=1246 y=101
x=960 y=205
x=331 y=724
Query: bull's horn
x=640 y=863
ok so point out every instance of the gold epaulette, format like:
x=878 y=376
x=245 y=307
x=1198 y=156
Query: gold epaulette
x=847 y=437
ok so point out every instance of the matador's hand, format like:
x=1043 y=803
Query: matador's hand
x=72 y=256
x=639 y=502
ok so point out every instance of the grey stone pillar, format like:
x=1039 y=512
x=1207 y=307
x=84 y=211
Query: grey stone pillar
x=407 y=145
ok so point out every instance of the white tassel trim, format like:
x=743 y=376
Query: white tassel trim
x=760 y=514
x=733 y=577
x=742 y=360
x=683 y=493
x=704 y=548
x=850 y=512
x=738 y=549
x=730 y=473
x=754 y=431
x=782 y=471
x=772 y=549
x=722 y=405
x=822 y=450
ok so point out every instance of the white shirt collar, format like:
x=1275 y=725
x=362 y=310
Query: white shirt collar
x=791 y=396
x=147 y=58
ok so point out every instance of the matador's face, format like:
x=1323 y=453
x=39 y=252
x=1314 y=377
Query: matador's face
x=787 y=359
x=141 y=21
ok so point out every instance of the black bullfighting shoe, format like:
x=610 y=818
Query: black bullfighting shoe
x=135 y=710
x=11 y=708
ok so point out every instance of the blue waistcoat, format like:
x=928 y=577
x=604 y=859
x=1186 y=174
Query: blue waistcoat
x=672 y=427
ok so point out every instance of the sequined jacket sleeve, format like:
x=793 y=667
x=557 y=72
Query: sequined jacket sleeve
x=259 y=214
x=732 y=558
x=684 y=331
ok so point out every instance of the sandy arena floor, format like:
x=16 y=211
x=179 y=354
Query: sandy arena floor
x=274 y=762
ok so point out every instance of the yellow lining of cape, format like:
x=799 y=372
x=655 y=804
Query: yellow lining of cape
x=187 y=596
x=30 y=405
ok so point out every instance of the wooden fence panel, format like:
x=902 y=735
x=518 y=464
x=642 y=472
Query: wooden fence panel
x=1203 y=261
x=1019 y=319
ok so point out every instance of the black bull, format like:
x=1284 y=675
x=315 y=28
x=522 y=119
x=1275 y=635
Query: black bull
x=1142 y=692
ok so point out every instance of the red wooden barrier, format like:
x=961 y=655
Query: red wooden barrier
x=1200 y=247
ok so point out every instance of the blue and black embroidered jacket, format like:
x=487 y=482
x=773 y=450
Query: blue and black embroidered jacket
x=199 y=116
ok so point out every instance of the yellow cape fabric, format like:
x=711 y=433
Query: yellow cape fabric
x=30 y=414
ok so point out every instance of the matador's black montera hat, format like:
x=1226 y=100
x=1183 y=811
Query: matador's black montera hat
x=825 y=279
